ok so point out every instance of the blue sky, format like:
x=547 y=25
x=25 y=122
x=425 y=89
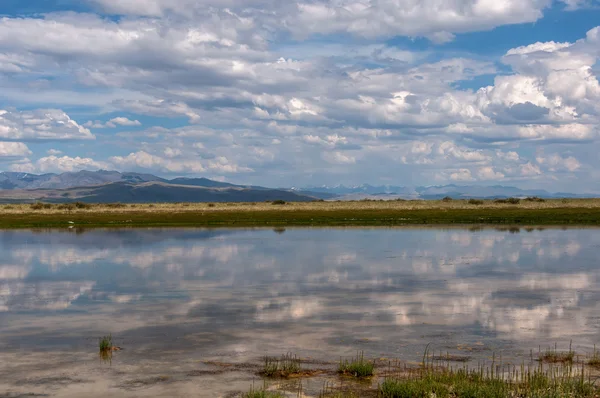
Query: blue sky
x=305 y=93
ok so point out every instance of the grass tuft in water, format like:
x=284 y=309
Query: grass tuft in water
x=105 y=343
x=262 y=393
x=555 y=356
x=286 y=366
x=594 y=361
x=357 y=367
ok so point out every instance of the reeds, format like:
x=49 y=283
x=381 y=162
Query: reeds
x=357 y=367
x=285 y=366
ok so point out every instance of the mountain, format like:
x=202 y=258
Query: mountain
x=367 y=189
x=390 y=192
x=10 y=180
x=111 y=186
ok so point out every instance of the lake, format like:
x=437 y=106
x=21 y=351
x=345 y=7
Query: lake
x=196 y=310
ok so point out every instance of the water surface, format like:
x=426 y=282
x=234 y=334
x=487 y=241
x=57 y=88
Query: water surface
x=177 y=298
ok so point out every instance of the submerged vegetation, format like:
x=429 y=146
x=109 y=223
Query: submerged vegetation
x=530 y=211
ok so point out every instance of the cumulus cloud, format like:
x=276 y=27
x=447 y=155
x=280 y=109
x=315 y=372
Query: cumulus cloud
x=262 y=107
x=41 y=124
x=13 y=150
x=112 y=123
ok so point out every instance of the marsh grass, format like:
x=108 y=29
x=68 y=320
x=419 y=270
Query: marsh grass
x=331 y=213
x=357 y=367
x=262 y=393
x=475 y=202
x=484 y=383
x=594 y=361
x=286 y=366
x=555 y=356
x=105 y=343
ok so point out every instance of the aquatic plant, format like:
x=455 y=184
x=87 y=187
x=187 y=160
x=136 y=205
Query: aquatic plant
x=262 y=393
x=357 y=367
x=105 y=343
x=286 y=366
x=555 y=356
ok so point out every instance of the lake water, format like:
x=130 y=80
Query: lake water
x=185 y=304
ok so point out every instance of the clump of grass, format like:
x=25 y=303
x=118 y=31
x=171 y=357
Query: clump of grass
x=286 y=366
x=534 y=199
x=357 y=367
x=211 y=205
x=594 y=361
x=8 y=207
x=105 y=344
x=475 y=202
x=447 y=199
x=262 y=393
x=512 y=201
x=484 y=383
x=81 y=205
x=279 y=202
x=555 y=356
x=115 y=205
x=37 y=206
x=66 y=206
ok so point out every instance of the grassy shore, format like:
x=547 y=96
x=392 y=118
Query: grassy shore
x=360 y=213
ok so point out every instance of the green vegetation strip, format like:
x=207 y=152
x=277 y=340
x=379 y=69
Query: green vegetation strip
x=313 y=217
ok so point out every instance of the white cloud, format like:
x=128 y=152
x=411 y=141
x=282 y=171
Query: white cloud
x=53 y=152
x=112 y=123
x=338 y=158
x=41 y=124
x=529 y=170
x=66 y=163
x=488 y=173
x=13 y=150
x=462 y=175
x=556 y=162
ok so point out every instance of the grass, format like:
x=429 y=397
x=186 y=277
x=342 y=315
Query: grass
x=286 y=366
x=555 y=356
x=594 y=361
x=358 y=213
x=262 y=393
x=480 y=383
x=357 y=367
x=105 y=343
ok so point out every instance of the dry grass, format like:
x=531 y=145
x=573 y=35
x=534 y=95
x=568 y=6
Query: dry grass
x=356 y=213
x=295 y=206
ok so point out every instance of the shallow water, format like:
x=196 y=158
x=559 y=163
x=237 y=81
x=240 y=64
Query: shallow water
x=175 y=299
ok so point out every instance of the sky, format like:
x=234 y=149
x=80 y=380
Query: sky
x=305 y=92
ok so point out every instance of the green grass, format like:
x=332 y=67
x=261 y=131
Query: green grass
x=262 y=393
x=555 y=356
x=285 y=366
x=357 y=367
x=594 y=361
x=483 y=384
x=294 y=215
x=105 y=343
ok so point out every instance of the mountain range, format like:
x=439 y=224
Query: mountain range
x=112 y=186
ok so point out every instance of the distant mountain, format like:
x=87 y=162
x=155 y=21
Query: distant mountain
x=111 y=186
x=340 y=190
x=10 y=180
x=390 y=192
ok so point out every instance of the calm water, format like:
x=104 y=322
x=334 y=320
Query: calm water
x=175 y=299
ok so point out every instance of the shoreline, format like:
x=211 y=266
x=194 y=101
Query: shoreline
x=553 y=213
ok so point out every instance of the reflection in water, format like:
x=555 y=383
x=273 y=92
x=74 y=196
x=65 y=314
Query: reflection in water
x=246 y=292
